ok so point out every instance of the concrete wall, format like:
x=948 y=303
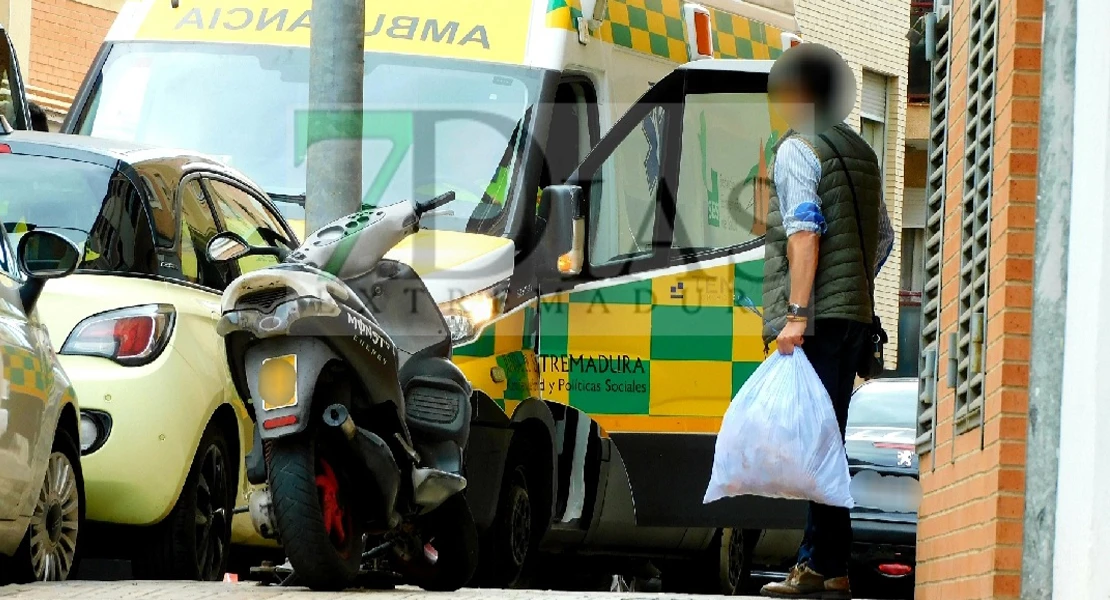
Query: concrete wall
x=871 y=35
x=970 y=532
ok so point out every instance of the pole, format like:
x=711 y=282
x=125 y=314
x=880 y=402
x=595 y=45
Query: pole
x=1049 y=296
x=1083 y=489
x=335 y=76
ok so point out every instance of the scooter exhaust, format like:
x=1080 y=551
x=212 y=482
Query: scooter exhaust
x=375 y=457
x=339 y=417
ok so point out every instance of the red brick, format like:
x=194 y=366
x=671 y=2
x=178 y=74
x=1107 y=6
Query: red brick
x=1011 y=480
x=1027 y=59
x=1008 y=348
x=1006 y=586
x=1010 y=216
x=1001 y=427
x=1017 y=268
x=1023 y=138
x=1008 y=374
x=967 y=443
x=1023 y=163
x=1029 y=9
x=1028 y=32
x=1010 y=507
x=1009 y=454
x=1022 y=190
x=1013 y=400
x=65 y=36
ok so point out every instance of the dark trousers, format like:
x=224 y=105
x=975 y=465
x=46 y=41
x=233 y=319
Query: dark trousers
x=833 y=350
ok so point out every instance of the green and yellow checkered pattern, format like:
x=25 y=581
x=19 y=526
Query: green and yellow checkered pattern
x=656 y=27
x=507 y=348
x=23 y=371
x=689 y=340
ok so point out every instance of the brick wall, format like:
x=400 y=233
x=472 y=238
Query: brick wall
x=871 y=35
x=970 y=531
x=65 y=37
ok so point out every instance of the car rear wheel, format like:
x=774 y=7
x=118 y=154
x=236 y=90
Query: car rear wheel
x=49 y=551
x=193 y=541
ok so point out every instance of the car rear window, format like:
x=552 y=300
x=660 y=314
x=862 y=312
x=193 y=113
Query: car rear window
x=884 y=404
x=95 y=207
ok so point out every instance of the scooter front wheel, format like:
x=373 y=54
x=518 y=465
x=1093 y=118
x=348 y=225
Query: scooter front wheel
x=314 y=514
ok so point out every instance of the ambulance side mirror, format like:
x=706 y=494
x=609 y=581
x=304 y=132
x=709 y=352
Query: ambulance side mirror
x=563 y=237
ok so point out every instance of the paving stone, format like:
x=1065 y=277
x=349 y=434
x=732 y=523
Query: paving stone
x=142 y=590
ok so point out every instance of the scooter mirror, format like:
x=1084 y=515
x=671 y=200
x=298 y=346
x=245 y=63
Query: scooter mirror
x=227 y=246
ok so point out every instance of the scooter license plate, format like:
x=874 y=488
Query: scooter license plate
x=277 y=382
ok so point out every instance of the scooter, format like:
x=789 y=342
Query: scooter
x=361 y=417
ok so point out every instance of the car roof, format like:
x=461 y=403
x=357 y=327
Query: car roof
x=109 y=153
x=743 y=65
x=92 y=148
x=889 y=382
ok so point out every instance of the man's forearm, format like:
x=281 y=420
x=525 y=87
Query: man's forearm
x=801 y=253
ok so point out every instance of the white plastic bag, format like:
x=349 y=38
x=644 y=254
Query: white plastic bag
x=780 y=439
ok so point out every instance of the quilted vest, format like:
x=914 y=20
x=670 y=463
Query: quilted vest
x=841 y=283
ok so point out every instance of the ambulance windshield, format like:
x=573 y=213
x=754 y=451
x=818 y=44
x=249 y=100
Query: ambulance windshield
x=430 y=125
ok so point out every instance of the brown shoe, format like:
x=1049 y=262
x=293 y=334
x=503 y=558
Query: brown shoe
x=803 y=582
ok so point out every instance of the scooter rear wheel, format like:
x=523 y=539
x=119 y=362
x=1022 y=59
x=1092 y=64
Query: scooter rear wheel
x=314 y=518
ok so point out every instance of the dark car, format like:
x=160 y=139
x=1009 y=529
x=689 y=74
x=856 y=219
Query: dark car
x=882 y=428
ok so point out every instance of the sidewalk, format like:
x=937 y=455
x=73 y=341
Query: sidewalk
x=135 y=590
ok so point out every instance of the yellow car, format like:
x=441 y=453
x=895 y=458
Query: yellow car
x=163 y=431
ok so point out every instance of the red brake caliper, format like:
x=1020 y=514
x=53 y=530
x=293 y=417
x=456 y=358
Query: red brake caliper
x=328 y=485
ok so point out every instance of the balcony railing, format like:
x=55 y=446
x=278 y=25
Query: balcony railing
x=919 y=80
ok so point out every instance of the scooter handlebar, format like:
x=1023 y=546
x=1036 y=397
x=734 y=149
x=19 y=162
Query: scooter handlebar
x=426 y=206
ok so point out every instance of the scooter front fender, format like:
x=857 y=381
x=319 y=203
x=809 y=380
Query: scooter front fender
x=282 y=374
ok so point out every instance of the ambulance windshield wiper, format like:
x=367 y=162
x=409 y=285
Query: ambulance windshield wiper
x=289 y=198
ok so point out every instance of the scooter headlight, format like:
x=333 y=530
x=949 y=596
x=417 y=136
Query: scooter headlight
x=467 y=316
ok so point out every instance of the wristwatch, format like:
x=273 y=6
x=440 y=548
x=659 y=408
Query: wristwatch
x=796 y=312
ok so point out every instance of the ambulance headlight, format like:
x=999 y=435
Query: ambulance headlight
x=467 y=316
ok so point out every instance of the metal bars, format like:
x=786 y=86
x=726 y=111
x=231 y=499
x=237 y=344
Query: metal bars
x=976 y=215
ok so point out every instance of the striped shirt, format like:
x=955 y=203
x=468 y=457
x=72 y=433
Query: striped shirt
x=797 y=171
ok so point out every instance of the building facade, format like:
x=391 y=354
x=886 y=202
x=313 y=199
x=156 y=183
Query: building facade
x=871 y=36
x=980 y=194
x=56 y=41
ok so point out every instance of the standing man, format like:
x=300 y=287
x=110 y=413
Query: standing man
x=822 y=257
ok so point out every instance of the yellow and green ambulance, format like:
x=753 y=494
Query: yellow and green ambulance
x=606 y=323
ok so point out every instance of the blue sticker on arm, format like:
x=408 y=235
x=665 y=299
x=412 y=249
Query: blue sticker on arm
x=810 y=213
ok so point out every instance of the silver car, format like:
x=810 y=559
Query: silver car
x=42 y=500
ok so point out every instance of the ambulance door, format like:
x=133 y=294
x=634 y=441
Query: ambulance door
x=13 y=97
x=661 y=325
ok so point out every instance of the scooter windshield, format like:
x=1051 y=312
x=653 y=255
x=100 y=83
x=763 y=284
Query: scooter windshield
x=404 y=308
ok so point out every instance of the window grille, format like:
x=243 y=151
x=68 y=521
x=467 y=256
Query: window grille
x=976 y=225
x=938 y=30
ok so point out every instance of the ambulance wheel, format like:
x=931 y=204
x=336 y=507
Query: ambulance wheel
x=722 y=568
x=509 y=543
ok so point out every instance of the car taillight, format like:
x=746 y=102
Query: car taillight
x=895 y=569
x=5 y=149
x=132 y=336
x=893 y=446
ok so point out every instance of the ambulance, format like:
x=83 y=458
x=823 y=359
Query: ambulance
x=14 y=107
x=600 y=268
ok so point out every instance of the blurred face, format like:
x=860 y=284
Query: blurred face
x=795 y=106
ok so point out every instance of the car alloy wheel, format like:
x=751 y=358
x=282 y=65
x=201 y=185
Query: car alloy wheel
x=211 y=514
x=55 y=521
